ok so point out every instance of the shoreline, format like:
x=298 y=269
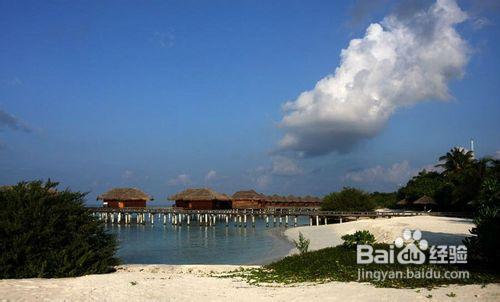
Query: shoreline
x=284 y=248
x=161 y=282
x=195 y=283
x=436 y=230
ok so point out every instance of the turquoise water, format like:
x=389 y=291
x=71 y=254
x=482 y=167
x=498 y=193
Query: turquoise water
x=195 y=244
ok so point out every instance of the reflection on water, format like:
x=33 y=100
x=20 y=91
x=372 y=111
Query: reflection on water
x=167 y=244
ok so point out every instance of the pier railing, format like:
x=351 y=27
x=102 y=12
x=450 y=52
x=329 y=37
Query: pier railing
x=242 y=217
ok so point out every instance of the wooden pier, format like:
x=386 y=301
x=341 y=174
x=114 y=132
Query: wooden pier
x=283 y=217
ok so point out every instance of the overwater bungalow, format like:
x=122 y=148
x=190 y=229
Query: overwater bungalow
x=124 y=198
x=201 y=199
x=312 y=201
x=248 y=200
x=277 y=201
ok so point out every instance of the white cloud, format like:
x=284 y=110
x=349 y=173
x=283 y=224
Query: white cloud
x=399 y=62
x=280 y=166
x=263 y=181
x=211 y=175
x=165 y=39
x=429 y=168
x=397 y=173
x=180 y=180
x=128 y=174
x=497 y=155
x=284 y=166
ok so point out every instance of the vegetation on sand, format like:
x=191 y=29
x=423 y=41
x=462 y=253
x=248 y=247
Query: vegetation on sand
x=302 y=244
x=360 y=237
x=483 y=247
x=49 y=233
x=339 y=264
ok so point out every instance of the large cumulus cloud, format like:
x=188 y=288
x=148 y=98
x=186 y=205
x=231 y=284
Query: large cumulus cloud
x=399 y=62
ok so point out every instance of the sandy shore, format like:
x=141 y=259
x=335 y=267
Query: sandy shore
x=195 y=283
x=436 y=230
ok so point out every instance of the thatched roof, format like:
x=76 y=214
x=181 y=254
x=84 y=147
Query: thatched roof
x=124 y=194
x=248 y=195
x=275 y=197
x=199 y=194
x=425 y=200
x=180 y=195
x=292 y=198
x=403 y=202
x=309 y=198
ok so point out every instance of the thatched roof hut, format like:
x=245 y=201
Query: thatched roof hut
x=309 y=198
x=125 y=194
x=201 y=199
x=248 y=195
x=180 y=195
x=199 y=194
x=275 y=197
x=124 y=198
x=248 y=199
x=425 y=200
x=403 y=202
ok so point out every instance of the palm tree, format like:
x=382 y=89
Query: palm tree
x=456 y=160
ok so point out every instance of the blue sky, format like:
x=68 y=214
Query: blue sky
x=163 y=95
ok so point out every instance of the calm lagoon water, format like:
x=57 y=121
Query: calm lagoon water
x=167 y=244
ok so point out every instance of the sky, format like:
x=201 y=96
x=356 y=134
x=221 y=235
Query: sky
x=285 y=97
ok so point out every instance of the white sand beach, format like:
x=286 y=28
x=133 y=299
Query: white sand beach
x=195 y=283
x=436 y=230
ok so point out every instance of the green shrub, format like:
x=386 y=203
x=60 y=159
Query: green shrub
x=384 y=200
x=483 y=247
x=360 y=237
x=349 y=199
x=49 y=233
x=339 y=264
x=303 y=244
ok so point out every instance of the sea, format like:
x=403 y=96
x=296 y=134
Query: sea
x=199 y=244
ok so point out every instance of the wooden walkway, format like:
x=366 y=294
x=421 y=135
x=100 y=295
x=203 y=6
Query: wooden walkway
x=242 y=217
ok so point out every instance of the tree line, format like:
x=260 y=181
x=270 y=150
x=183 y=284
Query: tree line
x=457 y=184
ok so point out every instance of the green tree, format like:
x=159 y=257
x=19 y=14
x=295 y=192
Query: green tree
x=384 y=200
x=431 y=184
x=483 y=247
x=466 y=183
x=349 y=199
x=456 y=160
x=49 y=233
x=458 y=185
